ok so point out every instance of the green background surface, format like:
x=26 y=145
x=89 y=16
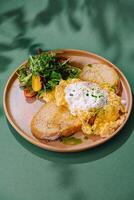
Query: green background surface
x=104 y=27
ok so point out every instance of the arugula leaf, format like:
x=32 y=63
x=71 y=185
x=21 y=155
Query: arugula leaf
x=55 y=75
x=74 y=72
x=26 y=78
x=40 y=63
x=41 y=93
x=51 y=84
x=23 y=76
x=49 y=67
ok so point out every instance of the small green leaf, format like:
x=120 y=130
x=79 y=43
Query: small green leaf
x=71 y=140
x=89 y=65
x=55 y=75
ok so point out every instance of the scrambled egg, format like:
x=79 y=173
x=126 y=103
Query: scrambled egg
x=99 y=120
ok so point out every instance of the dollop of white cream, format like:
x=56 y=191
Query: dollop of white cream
x=82 y=96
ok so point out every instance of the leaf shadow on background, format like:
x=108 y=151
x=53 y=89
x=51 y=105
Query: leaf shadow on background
x=4 y=62
x=85 y=156
x=74 y=22
x=18 y=19
x=47 y=15
x=80 y=195
x=122 y=10
x=54 y=9
x=95 y=12
x=20 y=40
x=67 y=178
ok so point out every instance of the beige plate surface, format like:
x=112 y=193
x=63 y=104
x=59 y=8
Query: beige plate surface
x=20 y=111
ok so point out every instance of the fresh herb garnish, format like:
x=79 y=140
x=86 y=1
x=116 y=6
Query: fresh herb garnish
x=55 y=78
x=71 y=140
x=41 y=92
x=71 y=94
x=49 y=67
x=23 y=76
x=89 y=65
x=101 y=96
x=93 y=95
x=86 y=137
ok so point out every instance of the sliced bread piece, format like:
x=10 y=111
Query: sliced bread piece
x=102 y=73
x=52 y=121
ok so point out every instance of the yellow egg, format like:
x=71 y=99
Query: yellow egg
x=105 y=119
x=59 y=91
x=49 y=96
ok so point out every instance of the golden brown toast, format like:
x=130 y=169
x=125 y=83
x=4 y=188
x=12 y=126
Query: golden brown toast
x=51 y=122
x=102 y=73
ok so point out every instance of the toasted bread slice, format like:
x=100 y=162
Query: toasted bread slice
x=52 y=121
x=102 y=73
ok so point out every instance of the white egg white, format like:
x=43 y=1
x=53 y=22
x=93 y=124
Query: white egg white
x=82 y=96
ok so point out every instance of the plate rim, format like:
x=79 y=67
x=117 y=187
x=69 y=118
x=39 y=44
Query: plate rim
x=55 y=149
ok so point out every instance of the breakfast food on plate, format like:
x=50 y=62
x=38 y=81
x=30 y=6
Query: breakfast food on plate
x=95 y=109
x=98 y=108
x=43 y=72
x=86 y=99
x=102 y=73
x=53 y=121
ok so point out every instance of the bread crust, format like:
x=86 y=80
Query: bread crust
x=51 y=122
x=118 y=88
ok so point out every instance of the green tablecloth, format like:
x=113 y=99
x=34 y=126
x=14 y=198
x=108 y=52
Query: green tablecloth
x=104 y=27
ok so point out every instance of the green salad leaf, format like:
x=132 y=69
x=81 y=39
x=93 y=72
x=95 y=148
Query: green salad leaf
x=71 y=140
x=49 y=67
x=55 y=78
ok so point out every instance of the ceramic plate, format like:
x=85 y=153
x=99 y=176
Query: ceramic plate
x=20 y=111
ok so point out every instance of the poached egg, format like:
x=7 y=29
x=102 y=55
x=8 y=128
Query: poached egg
x=83 y=96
